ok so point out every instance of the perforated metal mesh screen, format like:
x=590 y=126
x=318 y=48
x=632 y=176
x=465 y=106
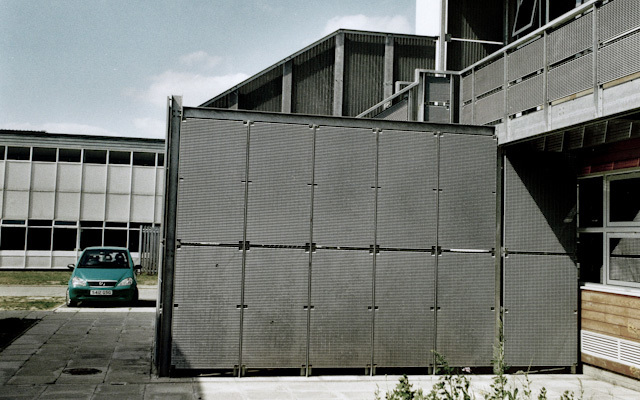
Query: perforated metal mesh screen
x=466 y=300
x=270 y=303
x=275 y=321
x=467 y=192
x=540 y=296
x=407 y=197
x=341 y=320
x=404 y=320
x=206 y=320
x=211 y=188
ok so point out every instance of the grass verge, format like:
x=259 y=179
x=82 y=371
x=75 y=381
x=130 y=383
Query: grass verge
x=54 y=278
x=11 y=303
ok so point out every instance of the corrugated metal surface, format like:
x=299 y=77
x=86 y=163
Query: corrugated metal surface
x=313 y=80
x=275 y=320
x=341 y=319
x=411 y=54
x=467 y=192
x=540 y=299
x=404 y=320
x=406 y=198
x=466 y=319
x=363 y=72
x=263 y=93
x=280 y=203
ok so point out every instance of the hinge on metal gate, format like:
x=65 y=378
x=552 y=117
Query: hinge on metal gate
x=308 y=307
x=374 y=308
x=436 y=250
x=241 y=306
x=177 y=113
x=310 y=247
x=375 y=248
x=244 y=245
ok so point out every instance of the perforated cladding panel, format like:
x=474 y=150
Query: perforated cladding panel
x=466 y=83
x=211 y=192
x=539 y=204
x=490 y=77
x=617 y=17
x=437 y=89
x=540 y=296
x=466 y=116
x=570 y=39
x=526 y=60
x=397 y=112
x=206 y=322
x=404 y=303
x=275 y=321
x=341 y=290
x=344 y=195
x=467 y=198
x=571 y=77
x=619 y=59
x=406 y=198
x=525 y=95
x=466 y=296
x=437 y=114
x=280 y=171
x=490 y=108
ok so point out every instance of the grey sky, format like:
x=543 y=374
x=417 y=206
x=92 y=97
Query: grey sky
x=106 y=67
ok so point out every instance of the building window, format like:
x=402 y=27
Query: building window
x=115 y=237
x=18 y=153
x=144 y=159
x=39 y=235
x=160 y=160
x=12 y=237
x=1 y=152
x=64 y=238
x=44 y=154
x=95 y=156
x=119 y=157
x=69 y=155
x=623 y=253
x=624 y=206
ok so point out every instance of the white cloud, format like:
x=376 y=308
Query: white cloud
x=393 y=24
x=62 y=127
x=195 y=88
x=200 y=59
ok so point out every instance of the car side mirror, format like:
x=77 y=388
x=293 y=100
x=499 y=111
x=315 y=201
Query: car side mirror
x=71 y=266
x=137 y=268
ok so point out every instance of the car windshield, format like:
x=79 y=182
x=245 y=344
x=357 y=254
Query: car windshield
x=104 y=258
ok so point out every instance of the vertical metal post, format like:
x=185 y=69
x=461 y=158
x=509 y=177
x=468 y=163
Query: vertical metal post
x=171 y=202
x=287 y=86
x=376 y=132
x=498 y=281
x=244 y=245
x=309 y=287
x=338 y=75
x=545 y=78
x=436 y=254
x=596 y=86
x=387 y=87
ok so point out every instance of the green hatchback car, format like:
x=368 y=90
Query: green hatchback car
x=103 y=274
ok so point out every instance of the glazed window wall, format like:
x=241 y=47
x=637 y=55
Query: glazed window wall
x=610 y=229
x=55 y=201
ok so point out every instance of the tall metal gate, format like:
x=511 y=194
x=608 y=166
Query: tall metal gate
x=150 y=249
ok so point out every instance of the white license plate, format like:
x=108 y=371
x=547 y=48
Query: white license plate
x=101 y=292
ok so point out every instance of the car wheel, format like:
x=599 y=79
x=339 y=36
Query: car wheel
x=134 y=299
x=70 y=303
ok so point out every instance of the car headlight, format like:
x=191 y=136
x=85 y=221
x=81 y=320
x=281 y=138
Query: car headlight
x=75 y=282
x=126 y=282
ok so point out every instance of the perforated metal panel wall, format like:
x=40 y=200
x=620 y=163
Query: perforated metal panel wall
x=540 y=299
x=404 y=320
x=341 y=319
x=211 y=188
x=619 y=59
x=571 y=77
x=526 y=60
x=540 y=201
x=344 y=197
x=274 y=331
x=570 y=39
x=617 y=17
x=280 y=175
x=489 y=108
x=406 y=198
x=206 y=318
x=467 y=192
x=490 y=77
x=525 y=95
x=466 y=315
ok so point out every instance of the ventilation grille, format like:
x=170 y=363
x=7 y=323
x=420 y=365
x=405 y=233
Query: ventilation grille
x=610 y=348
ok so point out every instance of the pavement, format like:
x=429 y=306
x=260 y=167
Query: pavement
x=105 y=353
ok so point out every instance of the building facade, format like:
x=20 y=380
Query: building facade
x=62 y=193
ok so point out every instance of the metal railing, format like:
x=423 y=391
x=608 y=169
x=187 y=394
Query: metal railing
x=150 y=249
x=573 y=56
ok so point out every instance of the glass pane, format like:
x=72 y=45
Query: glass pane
x=624 y=259
x=95 y=156
x=624 y=204
x=90 y=237
x=590 y=256
x=44 y=154
x=116 y=238
x=590 y=201
x=12 y=238
x=64 y=239
x=39 y=239
x=119 y=157
x=69 y=155
x=18 y=153
x=144 y=159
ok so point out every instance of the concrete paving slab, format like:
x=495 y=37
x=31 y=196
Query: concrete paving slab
x=66 y=392
x=21 y=392
x=126 y=391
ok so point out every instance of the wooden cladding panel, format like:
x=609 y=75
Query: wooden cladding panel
x=611 y=314
x=611 y=366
